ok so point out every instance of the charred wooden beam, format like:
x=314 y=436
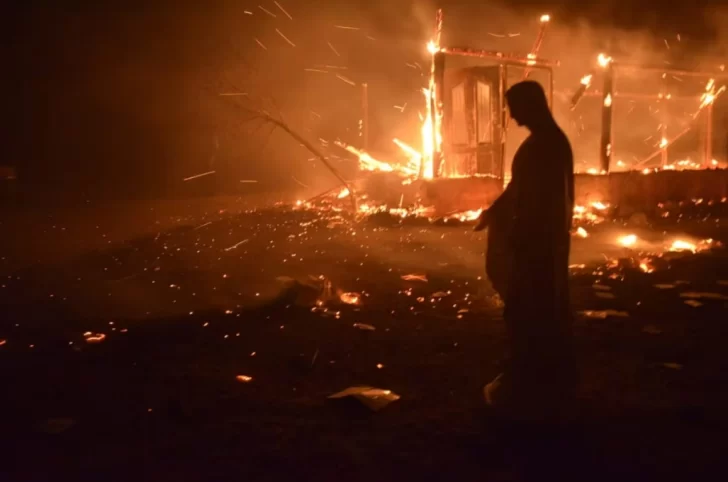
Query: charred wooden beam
x=671 y=71
x=507 y=58
x=638 y=96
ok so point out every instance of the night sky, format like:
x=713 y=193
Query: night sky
x=117 y=98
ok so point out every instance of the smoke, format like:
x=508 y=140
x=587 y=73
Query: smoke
x=140 y=101
x=384 y=47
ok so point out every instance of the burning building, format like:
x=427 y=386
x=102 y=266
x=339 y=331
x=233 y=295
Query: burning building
x=463 y=162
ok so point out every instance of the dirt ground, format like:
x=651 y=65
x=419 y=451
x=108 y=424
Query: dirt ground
x=189 y=295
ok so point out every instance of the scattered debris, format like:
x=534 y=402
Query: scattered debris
x=693 y=303
x=599 y=287
x=604 y=295
x=672 y=365
x=364 y=327
x=703 y=295
x=665 y=286
x=651 y=330
x=603 y=314
x=415 y=277
x=373 y=398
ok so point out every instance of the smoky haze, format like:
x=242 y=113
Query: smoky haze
x=124 y=101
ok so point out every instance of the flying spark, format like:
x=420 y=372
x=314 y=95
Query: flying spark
x=344 y=27
x=198 y=175
x=299 y=182
x=260 y=43
x=317 y=70
x=267 y=11
x=234 y=246
x=348 y=81
x=283 y=10
x=285 y=38
x=249 y=181
x=333 y=49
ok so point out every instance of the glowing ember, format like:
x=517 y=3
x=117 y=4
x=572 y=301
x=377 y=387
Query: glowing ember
x=581 y=213
x=465 y=216
x=343 y=193
x=545 y=18
x=586 y=80
x=680 y=245
x=94 y=337
x=627 y=241
x=244 y=378
x=608 y=100
x=581 y=232
x=604 y=60
x=646 y=266
x=350 y=298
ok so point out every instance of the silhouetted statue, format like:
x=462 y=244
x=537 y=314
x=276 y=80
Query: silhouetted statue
x=528 y=261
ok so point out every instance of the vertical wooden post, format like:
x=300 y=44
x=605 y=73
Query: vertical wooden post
x=708 y=136
x=436 y=95
x=437 y=98
x=605 y=152
x=365 y=116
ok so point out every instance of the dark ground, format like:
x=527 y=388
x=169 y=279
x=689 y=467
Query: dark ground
x=184 y=313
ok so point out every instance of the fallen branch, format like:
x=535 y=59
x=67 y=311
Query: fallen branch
x=315 y=152
x=284 y=126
